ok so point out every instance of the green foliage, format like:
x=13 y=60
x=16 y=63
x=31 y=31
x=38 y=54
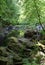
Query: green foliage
x=8 y=11
x=14 y=33
x=26 y=62
x=31 y=10
x=24 y=11
x=21 y=12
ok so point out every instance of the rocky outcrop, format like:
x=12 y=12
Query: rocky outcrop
x=33 y=35
x=19 y=48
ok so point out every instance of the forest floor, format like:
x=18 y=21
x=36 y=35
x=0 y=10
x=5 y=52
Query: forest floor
x=26 y=50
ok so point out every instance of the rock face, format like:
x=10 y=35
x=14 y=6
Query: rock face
x=16 y=50
x=19 y=48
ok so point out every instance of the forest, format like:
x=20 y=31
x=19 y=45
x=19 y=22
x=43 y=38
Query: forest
x=22 y=32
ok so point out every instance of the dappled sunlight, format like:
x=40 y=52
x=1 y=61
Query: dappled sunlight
x=22 y=32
